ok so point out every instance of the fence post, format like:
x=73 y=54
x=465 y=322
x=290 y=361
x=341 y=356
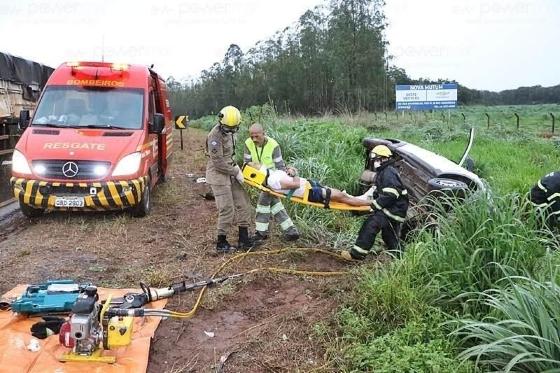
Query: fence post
x=517 y=118
x=464 y=117
x=386 y=118
x=553 y=120
x=487 y=119
x=375 y=113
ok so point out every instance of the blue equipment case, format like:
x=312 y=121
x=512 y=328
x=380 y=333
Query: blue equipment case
x=48 y=297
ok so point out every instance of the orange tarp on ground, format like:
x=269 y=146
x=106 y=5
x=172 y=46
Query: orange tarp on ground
x=15 y=336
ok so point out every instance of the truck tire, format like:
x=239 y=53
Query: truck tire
x=29 y=211
x=447 y=187
x=143 y=207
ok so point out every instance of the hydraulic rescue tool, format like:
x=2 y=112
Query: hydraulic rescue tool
x=95 y=326
x=148 y=295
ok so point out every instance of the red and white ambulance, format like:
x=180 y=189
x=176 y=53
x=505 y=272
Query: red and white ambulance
x=99 y=139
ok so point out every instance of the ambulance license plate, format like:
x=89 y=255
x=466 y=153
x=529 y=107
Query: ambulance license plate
x=69 y=202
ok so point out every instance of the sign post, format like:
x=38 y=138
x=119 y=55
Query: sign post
x=181 y=122
x=426 y=96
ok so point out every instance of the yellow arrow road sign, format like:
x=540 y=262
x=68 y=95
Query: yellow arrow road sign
x=181 y=121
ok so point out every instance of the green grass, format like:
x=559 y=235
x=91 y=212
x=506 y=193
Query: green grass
x=521 y=334
x=399 y=316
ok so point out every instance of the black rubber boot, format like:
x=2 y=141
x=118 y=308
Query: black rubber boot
x=223 y=245
x=260 y=236
x=291 y=234
x=246 y=243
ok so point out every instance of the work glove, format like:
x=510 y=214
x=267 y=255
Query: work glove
x=239 y=175
x=50 y=326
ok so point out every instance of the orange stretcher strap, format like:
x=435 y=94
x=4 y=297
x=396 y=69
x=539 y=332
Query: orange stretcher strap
x=15 y=336
x=256 y=178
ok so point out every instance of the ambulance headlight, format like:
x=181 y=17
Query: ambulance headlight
x=128 y=165
x=100 y=170
x=19 y=163
x=40 y=169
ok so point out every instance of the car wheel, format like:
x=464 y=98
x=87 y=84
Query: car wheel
x=448 y=187
x=29 y=211
x=143 y=208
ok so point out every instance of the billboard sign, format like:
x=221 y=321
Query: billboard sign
x=426 y=96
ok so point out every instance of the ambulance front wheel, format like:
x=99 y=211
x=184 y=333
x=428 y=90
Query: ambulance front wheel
x=29 y=211
x=143 y=208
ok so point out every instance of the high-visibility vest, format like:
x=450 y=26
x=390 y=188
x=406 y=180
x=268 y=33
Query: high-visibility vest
x=262 y=155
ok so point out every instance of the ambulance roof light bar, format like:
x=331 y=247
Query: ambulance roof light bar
x=113 y=66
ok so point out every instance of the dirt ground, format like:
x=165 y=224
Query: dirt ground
x=262 y=322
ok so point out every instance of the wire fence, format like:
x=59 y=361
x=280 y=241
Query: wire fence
x=544 y=122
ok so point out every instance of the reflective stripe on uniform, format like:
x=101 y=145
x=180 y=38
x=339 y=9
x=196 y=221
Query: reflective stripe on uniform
x=263 y=209
x=261 y=227
x=360 y=250
x=377 y=205
x=394 y=217
x=544 y=204
x=404 y=192
x=277 y=159
x=539 y=184
x=286 y=224
x=555 y=195
x=277 y=208
x=392 y=191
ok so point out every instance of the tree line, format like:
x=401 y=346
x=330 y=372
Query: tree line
x=334 y=58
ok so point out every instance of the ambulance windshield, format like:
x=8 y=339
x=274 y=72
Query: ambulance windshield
x=71 y=106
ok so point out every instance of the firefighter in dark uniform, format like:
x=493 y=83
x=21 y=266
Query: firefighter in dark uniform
x=389 y=206
x=545 y=196
x=225 y=178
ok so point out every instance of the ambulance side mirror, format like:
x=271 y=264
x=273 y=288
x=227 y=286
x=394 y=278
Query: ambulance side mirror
x=157 y=124
x=23 y=121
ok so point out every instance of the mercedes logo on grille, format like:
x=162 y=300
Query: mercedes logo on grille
x=70 y=169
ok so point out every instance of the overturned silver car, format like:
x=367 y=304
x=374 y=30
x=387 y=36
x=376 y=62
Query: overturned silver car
x=423 y=172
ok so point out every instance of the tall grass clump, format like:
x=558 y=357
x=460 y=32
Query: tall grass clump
x=521 y=332
x=474 y=245
x=389 y=326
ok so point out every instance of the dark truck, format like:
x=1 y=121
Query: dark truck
x=21 y=82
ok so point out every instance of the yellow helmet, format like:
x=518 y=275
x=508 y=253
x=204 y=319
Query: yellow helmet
x=381 y=151
x=229 y=116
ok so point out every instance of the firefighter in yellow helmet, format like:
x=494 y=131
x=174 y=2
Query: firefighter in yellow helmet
x=225 y=178
x=389 y=207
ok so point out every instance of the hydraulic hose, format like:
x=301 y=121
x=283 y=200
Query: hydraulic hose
x=238 y=257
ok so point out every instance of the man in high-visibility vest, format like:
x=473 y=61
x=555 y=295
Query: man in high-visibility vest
x=264 y=150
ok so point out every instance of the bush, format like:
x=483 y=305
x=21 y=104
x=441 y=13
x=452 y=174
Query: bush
x=419 y=346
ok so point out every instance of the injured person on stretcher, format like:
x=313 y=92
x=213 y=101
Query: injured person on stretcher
x=279 y=181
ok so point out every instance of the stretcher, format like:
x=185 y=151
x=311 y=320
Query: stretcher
x=257 y=179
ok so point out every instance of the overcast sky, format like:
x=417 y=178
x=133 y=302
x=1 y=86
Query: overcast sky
x=484 y=44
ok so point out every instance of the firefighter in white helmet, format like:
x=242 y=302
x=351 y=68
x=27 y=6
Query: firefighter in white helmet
x=389 y=206
x=225 y=178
